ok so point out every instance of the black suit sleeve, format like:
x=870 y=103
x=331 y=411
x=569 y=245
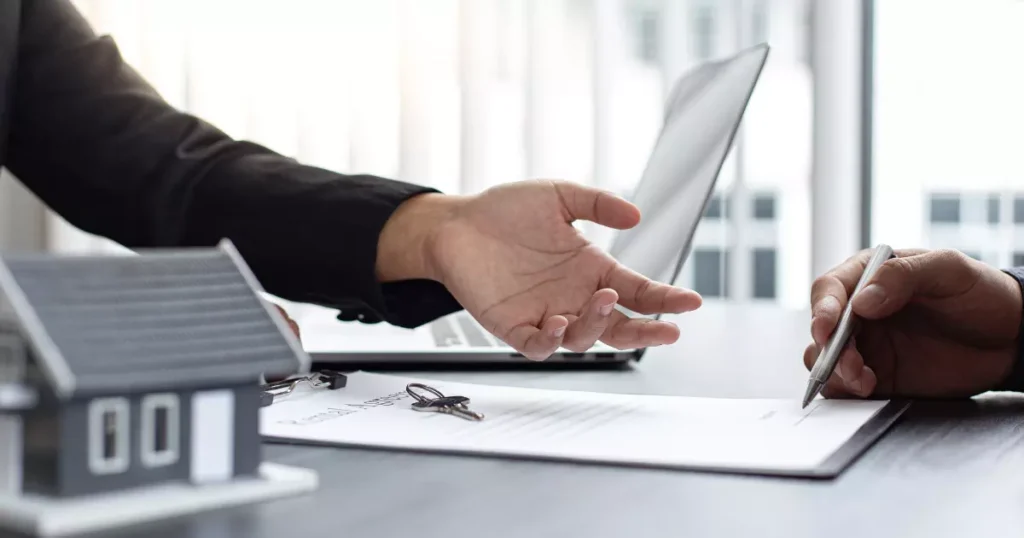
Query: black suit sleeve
x=1016 y=380
x=99 y=146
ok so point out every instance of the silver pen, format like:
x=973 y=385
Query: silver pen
x=829 y=356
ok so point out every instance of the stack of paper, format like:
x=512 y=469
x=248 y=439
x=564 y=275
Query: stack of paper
x=758 y=436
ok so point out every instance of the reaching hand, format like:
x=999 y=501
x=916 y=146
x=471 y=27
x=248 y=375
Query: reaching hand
x=934 y=324
x=513 y=259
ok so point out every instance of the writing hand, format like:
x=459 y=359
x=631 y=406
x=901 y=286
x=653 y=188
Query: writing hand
x=933 y=324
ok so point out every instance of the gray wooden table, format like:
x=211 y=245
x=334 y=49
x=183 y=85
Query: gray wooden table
x=946 y=469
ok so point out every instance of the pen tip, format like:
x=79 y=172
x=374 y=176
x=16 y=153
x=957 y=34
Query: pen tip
x=812 y=391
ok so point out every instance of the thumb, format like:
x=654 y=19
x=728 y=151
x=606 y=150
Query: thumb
x=604 y=208
x=899 y=281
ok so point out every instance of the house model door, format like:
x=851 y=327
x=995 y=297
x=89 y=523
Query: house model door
x=213 y=436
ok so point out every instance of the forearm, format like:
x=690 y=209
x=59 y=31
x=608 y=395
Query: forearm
x=96 y=143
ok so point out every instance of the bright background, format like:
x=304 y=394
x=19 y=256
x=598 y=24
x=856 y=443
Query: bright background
x=466 y=94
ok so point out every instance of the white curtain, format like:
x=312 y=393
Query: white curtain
x=457 y=94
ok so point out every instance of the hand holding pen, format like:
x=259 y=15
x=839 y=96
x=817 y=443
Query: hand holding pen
x=929 y=323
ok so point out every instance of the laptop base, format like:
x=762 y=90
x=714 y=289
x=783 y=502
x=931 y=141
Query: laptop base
x=468 y=360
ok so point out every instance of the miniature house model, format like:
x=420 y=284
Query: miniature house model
x=123 y=375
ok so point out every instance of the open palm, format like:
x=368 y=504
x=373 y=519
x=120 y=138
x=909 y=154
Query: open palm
x=513 y=259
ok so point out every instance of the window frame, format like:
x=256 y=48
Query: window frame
x=147 y=429
x=98 y=407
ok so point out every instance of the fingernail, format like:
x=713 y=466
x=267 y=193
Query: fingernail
x=871 y=296
x=607 y=309
x=559 y=332
x=855 y=385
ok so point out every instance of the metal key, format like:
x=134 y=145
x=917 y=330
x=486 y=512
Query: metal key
x=449 y=405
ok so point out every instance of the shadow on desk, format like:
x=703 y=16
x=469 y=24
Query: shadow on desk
x=948 y=435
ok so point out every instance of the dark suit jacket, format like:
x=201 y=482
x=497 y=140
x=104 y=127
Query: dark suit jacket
x=97 y=144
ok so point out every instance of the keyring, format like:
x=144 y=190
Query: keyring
x=420 y=397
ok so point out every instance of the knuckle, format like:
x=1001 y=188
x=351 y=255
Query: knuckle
x=948 y=254
x=615 y=340
x=961 y=267
x=953 y=258
x=821 y=287
x=898 y=268
x=641 y=291
x=856 y=258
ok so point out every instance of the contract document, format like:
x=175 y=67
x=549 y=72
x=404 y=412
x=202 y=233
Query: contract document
x=756 y=436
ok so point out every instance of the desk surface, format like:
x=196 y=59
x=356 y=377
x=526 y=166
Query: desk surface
x=946 y=469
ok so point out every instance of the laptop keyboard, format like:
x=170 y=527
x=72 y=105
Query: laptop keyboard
x=461 y=330
x=465 y=331
x=475 y=334
x=444 y=333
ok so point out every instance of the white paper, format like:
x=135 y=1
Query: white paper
x=729 y=434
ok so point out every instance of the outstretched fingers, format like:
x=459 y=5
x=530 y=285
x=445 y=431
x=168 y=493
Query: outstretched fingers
x=624 y=332
x=593 y=321
x=645 y=296
x=536 y=343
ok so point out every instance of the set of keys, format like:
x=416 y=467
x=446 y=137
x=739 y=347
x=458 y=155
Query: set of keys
x=439 y=403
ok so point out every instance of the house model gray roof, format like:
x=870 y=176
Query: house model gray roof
x=173 y=318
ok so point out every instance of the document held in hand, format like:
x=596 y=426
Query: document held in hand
x=738 y=435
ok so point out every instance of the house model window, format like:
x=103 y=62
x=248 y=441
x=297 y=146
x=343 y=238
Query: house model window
x=108 y=436
x=161 y=432
x=12 y=359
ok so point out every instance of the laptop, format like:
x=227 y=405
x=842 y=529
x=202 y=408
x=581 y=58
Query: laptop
x=702 y=115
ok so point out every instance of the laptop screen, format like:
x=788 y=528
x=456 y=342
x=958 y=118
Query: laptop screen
x=702 y=115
